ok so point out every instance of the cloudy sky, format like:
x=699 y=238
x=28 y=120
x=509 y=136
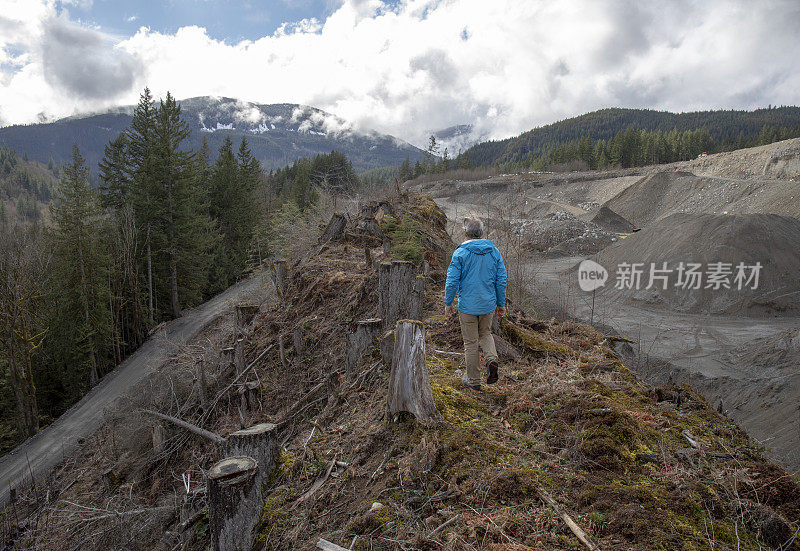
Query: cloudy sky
x=404 y=67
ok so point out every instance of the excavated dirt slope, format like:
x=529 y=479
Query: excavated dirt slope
x=768 y=239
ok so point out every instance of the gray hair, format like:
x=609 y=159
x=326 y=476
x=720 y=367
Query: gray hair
x=473 y=227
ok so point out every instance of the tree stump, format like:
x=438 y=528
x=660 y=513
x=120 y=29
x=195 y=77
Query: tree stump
x=335 y=229
x=298 y=342
x=243 y=315
x=238 y=356
x=409 y=382
x=202 y=385
x=158 y=438
x=234 y=503
x=416 y=301
x=395 y=284
x=367 y=332
x=226 y=358
x=259 y=442
x=280 y=272
x=249 y=393
x=387 y=348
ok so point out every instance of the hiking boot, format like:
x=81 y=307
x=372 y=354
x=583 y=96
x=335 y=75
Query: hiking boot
x=491 y=372
x=466 y=383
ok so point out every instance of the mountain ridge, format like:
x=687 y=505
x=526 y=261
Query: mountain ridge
x=278 y=134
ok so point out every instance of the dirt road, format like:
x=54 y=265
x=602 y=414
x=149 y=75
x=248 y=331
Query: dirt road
x=36 y=456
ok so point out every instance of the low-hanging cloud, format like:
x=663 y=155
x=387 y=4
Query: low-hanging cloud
x=85 y=64
x=414 y=66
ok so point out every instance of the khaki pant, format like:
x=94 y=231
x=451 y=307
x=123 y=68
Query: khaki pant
x=477 y=330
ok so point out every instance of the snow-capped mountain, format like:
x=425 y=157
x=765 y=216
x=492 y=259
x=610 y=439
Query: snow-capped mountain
x=278 y=134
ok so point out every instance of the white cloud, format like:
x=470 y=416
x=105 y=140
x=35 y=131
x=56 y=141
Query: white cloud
x=131 y=19
x=504 y=65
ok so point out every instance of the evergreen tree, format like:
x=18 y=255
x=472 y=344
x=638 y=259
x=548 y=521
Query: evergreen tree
x=183 y=223
x=80 y=268
x=114 y=173
x=141 y=159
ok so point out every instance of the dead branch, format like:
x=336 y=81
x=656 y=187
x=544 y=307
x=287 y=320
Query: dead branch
x=577 y=530
x=208 y=435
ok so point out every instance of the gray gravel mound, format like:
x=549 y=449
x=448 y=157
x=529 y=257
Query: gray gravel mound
x=769 y=239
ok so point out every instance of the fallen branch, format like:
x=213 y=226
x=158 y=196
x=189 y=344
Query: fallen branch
x=447 y=352
x=443 y=525
x=577 y=530
x=217 y=439
x=308 y=396
x=316 y=486
x=325 y=545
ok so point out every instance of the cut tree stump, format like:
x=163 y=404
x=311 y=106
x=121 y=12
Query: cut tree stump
x=298 y=342
x=243 y=315
x=259 y=442
x=234 y=503
x=226 y=359
x=367 y=332
x=280 y=273
x=335 y=229
x=249 y=396
x=202 y=385
x=416 y=300
x=395 y=287
x=409 y=382
x=238 y=355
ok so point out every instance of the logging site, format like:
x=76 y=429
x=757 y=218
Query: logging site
x=399 y=275
x=330 y=413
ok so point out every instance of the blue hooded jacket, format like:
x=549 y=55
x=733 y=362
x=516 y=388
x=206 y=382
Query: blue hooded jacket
x=478 y=273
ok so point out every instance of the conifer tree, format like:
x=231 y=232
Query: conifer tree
x=80 y=266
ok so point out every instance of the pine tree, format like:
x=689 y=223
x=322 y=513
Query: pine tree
x=114 y=173
x=141 y=166
x=82 y=293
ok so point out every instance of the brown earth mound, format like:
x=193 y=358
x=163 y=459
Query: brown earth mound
x=769 y=239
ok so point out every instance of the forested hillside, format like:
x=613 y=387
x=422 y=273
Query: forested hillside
x=25 y=186
x=278 y=134
x=632 y=137
x=167 y=227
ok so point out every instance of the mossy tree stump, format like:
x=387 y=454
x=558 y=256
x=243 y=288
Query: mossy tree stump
x=409 y=381
x=234 y=503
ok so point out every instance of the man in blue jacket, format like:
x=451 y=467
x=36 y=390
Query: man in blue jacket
x=478 y=274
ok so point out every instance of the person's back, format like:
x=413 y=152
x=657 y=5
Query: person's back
x=477 y=273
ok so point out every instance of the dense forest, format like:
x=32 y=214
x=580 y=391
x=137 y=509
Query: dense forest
x=633 y=137
x=166 y=228
x=26 y=187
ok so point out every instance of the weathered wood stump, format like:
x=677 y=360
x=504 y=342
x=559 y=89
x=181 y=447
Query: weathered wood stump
x=395 y=285
x=280 y=274
x=259 y=442
x=335 y=229
x=234 y=503
x=226 y=359
x=243 y=315
x=200 y=381
x=416 y=300
x=298 y=342
x=238 y=356
x=158 y=438
x=249 y=393
x=367 y=332
x=409 y=382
